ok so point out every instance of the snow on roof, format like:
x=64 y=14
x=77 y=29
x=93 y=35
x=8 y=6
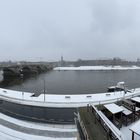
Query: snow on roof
x=136 y=99
x=111 y=87
x=136 y=128
x=121 y=83
x=113 y=108
x=114 y=129
x=126 y=111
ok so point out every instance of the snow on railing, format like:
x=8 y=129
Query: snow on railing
x=109 y=124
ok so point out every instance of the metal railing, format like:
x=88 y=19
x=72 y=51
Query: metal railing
x=112 y=130
x=86 y=136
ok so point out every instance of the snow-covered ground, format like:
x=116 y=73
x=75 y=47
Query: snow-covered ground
x=8 y=133
x=40 y=126
x=97 y=68
x=53 y=101
x=64 y=101
x=128 y=133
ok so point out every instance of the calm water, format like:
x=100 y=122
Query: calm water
x=74 y=82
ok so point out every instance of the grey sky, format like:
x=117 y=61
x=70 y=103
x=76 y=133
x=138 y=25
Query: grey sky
x=44 y=29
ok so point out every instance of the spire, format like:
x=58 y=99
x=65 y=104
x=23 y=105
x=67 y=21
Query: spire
x=62 y=61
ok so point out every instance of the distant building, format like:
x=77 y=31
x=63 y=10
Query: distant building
x=61 y=63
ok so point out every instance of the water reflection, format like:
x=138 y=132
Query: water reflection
x=7 y=82
x=10 y=82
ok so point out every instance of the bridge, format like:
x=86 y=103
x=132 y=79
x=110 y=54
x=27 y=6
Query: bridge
x=25 y=70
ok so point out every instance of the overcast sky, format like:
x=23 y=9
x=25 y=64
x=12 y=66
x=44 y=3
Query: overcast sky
x=37 y=30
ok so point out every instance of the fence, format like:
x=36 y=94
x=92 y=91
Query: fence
x=111 y=130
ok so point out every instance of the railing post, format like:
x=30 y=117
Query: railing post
x=22 y=95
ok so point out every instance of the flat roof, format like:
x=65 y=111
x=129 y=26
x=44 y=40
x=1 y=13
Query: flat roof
x=136 y=128
x=137 y=109
x=113 y=108
x=136 y=99
x=111 y=87
x=126 y=111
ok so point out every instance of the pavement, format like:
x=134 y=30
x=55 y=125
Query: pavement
x=35 y=130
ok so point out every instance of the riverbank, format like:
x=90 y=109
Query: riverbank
x=64 y=101
x=97 y=68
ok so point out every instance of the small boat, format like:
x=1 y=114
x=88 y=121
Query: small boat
x=119 y=87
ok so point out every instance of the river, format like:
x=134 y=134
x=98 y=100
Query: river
x=74 y=82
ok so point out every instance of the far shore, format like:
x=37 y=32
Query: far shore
x=97 y=68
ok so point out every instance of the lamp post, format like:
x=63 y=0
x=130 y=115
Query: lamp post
x=44 y=89
x=22 y=86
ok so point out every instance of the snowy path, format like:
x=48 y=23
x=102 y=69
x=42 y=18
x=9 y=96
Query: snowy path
x=64 y=101
x=11 y=128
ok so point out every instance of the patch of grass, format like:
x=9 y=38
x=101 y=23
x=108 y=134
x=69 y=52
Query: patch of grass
x=93 y=127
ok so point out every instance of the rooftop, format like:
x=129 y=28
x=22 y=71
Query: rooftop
x=113 y=108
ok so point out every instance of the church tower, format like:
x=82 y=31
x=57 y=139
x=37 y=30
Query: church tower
x=62 y=61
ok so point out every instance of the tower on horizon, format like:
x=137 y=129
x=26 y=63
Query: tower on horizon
x=62 y=61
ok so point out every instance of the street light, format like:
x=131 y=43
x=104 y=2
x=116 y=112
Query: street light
x=44 y=89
